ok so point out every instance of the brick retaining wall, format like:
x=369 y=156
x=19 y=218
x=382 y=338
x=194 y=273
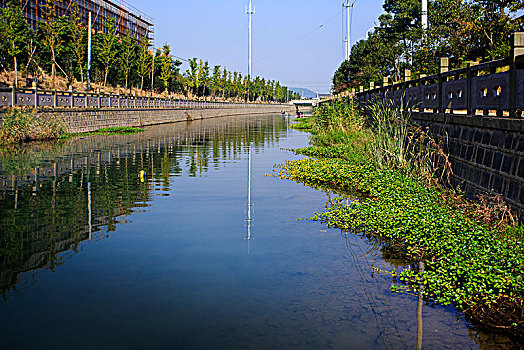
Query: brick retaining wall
x=86 y=120
x=487 y=154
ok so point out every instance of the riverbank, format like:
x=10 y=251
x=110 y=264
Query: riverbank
x=472 y=258
x=21 y=125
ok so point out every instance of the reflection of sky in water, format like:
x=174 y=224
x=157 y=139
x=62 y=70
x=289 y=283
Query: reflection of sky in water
x=104 y=256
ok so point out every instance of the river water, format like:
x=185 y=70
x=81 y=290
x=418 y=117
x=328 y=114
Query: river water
x=141 y=242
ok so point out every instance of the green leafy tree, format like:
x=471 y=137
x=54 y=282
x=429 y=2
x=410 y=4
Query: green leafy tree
x=215 y=80
x=166 y=65
x=13 y=29
x=192 y=75
x=107 y=49
x=128 y=56
x=144 y=60
x=51 y=39
x=203 y=76
x=78 y=34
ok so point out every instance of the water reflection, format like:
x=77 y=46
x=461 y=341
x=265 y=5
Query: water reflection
x=249 y=204
x=56 y=198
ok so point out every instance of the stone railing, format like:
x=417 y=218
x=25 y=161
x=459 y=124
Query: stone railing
x=33 y=97
x=490 y=89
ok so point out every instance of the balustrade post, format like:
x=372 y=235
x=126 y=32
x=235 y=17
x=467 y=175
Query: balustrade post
x=516 y=62
x=469 y=97
x=421 y=84
x=35 y=94
x=71 y=96
x=444 y=68
x=13 y=96
x=54 y=98
x=407 y=75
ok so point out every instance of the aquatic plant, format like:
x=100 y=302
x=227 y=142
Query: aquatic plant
x=473 y=259
x=468 y=264
x=105 y=131
x=304 y=124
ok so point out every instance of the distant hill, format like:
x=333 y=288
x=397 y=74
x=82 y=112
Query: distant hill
x=304 y=92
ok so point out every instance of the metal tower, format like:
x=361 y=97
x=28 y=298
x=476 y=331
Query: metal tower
x=349 y=14
x=250 y=12
x=424 y=15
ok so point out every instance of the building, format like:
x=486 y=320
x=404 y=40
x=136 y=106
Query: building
x=127 y=17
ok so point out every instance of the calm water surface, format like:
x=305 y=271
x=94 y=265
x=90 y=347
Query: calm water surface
x=92 y=255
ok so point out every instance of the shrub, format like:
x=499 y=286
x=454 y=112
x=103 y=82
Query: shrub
x=22 y=125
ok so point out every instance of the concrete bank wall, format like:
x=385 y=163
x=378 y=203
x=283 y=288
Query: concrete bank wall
x=487 y=154
x=86 y=120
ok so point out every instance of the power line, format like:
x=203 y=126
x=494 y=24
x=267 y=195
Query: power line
x=180 y=58
x=301 y=37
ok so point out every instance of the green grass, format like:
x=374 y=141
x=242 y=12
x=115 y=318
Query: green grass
x=104 y=131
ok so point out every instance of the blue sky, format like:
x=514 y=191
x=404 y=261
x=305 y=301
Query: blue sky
x=288 y=44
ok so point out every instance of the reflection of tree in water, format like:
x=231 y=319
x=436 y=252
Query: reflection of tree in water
x=44 y=200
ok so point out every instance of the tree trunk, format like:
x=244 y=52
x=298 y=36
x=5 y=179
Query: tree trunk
x=81 y=74
x=142 y=84
x=105 y=76
x=53 y=74
x=16 y=73
x=53 y=66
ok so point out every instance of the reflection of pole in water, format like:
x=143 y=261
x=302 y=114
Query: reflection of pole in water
x=249 y=219
x=89 y=211
x=420 y=302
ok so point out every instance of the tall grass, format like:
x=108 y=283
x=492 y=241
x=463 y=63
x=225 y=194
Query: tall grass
x=397 y=143
x=18 y=126
x=336 y=123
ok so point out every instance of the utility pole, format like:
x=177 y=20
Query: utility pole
x=89 y=52
x=153 y=75
x=424 y=15
x=348 y=6
x=250 y=12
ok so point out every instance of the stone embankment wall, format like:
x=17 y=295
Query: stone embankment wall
x=487 y=154
x=86 y=120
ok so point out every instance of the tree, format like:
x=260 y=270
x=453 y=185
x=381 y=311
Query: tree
x=215 y=81
x=203 y=76
x=78 y=34
x=51 y=30
x=192 y=75
x=144 y=60
x=129 y=48
x=494 y=25
x=14 y=31
x=166 y=65
x=107 y=48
